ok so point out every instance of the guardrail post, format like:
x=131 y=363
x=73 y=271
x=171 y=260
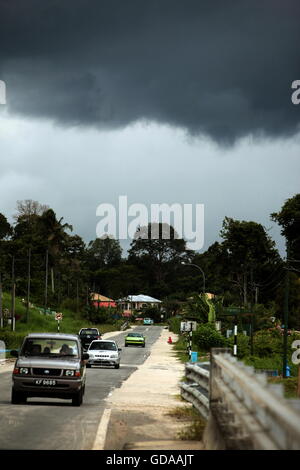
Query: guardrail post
x=215 y=373
x=213 y=438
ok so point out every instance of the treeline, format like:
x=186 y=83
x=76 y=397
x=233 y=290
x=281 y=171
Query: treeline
x=244 y=267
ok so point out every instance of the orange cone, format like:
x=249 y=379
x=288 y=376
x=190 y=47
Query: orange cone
x=170 y=340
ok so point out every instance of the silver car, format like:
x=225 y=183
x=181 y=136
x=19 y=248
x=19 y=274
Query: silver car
x=104 y=352
x=49 y=365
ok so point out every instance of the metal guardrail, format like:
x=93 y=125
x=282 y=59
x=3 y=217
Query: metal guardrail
x=124 y=326
x=248 y=412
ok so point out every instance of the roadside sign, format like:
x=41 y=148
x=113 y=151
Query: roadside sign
x=192 y=326
x=58 y=318
x=296 y=360
x=182 y=326
x=188 y=326
x=296 y=354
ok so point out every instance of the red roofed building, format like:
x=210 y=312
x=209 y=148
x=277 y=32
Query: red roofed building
x=99 y=300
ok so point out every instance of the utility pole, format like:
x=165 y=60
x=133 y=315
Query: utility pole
x=46 y=281
x=77 y=296
x=286 y=313
x=256 y=295
x=28 y=284
x=13 y=295
x=1 y=305
x=245 y=288
x=87 y=295
x=58 y=287
x=251 y=310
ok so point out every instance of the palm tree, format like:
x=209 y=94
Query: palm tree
x=56 y=236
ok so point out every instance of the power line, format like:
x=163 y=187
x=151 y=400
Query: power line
x=274 y=287
x=267 y=281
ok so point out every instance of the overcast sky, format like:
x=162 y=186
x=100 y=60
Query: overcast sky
x=162 y=101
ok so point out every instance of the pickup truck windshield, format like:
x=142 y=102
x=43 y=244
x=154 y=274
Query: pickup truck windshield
x=35 y=347
x=89 y=332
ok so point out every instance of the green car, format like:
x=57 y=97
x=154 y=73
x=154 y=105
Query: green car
x=136 y=339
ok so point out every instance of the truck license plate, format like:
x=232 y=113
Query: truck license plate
x=46 y=382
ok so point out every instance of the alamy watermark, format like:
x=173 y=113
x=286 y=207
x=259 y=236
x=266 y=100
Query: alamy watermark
x=2 y=92
x=132 y=221
x=296 y=94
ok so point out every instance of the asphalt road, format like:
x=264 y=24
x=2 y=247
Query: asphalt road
x=54 y=424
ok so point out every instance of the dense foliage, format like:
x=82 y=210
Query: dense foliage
x=244 y=268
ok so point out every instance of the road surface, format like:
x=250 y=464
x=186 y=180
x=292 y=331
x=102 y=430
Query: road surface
x=54 y=424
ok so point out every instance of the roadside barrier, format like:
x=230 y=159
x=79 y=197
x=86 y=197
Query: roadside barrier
x=243 y=410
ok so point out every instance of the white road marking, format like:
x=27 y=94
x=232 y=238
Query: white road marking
x=102 y=430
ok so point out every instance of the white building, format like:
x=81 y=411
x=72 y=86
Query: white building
x=138 y=302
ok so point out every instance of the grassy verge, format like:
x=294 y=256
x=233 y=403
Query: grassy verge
x=180 y=348
x=39 y=322
x=192 y=421
x=290 y=385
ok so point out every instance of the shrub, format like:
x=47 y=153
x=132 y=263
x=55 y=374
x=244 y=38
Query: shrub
x=151 y=312
x=207 y=337
x=68 y=304
x=119 y=323
x=174 y=324
x=267 y=343
x=12 y=339
x=97 y=315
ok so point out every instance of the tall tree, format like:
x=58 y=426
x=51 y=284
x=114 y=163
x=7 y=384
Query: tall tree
x=27 y=208
x=103 y=253
x=250 y=249
x=56 y=236
x=157 y=251
x=289 y=220
x=5 y=227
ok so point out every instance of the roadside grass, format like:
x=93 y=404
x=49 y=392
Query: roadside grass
x=39 y=322
x=192 y=421
x=179 y=397
x=290 y=385
x=180 y=349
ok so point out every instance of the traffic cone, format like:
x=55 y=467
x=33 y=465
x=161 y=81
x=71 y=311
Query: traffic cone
x=170 y=340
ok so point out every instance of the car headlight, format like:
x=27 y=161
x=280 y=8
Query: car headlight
x=24 y=370
x=114 y=356
x=69 y=373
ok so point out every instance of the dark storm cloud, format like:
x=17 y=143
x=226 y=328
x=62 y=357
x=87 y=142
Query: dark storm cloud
x=222 y=68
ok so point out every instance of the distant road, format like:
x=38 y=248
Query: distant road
x=55 y=424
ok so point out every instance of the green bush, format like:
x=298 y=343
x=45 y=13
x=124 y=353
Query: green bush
x=151 y=312
x=267 y=343
x=118 y=323
x=12 y=339
x=97 y=315
x=174 y=324
x=272 y=362
x=207 y=337
x=68 y=304
x=242 y=344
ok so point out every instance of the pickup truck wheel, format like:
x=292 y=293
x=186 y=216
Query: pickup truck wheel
x=17 y=397
x=117 y=366
x=77 y=399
